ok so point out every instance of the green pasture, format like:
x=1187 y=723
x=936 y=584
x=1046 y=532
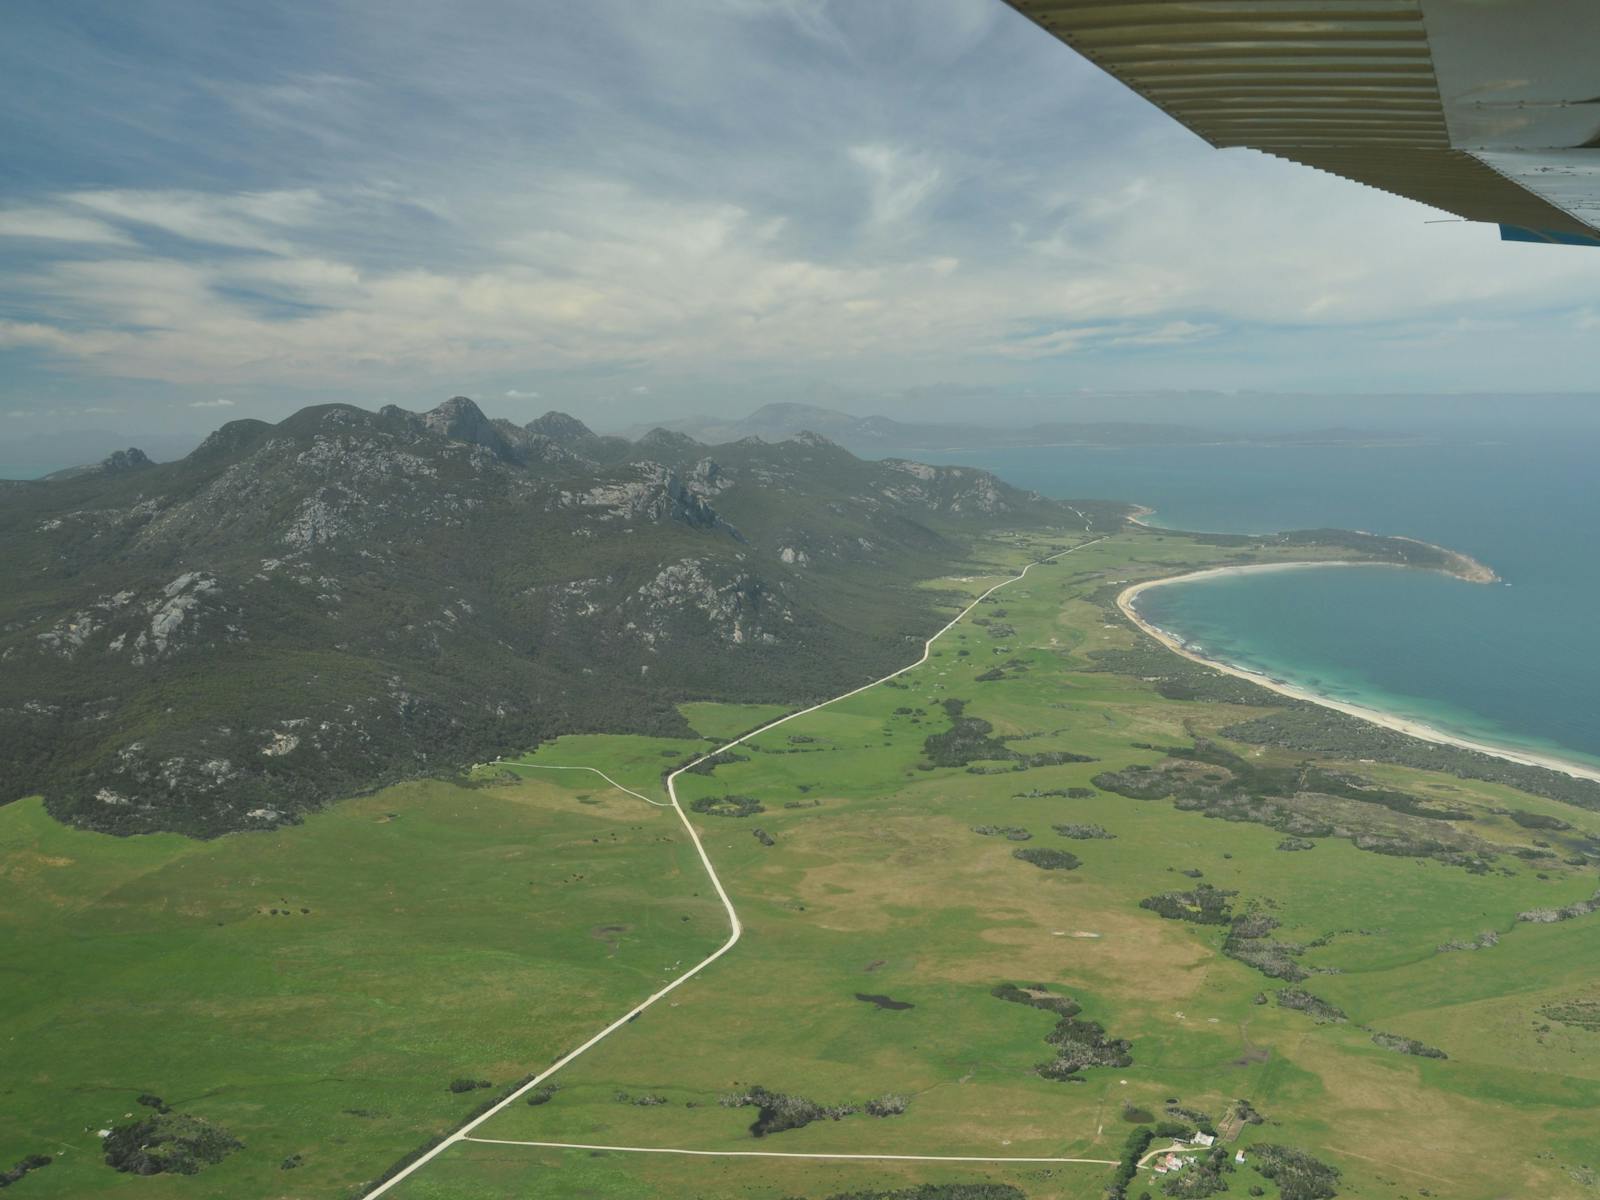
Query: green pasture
x=451 y=932
x=479 y=931
x=876 y=884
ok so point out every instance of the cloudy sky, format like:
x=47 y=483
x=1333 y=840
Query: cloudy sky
x=214 y=208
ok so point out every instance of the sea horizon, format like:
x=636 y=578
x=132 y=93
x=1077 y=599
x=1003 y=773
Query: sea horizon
x=1501 y=664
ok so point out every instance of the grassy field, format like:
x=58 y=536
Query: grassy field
x=425 y=933
x=478 y=931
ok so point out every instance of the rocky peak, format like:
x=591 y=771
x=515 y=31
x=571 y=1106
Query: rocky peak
x=533 y=447
x=559 y=427
x=230 y=438
x=131 y=459
x=118 y=462
x=460 y=420
x=666 y=439
x=806 y=438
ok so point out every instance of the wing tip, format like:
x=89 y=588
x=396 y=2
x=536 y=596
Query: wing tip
x=1548 y=237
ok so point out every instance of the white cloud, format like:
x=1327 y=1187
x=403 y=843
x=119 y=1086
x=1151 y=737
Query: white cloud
x=741 y=188
x=55 y=225
x=244 y=220
x=901 y=181
x=584 y=270
x=219 y=402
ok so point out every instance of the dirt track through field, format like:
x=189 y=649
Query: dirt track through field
x=735 y=931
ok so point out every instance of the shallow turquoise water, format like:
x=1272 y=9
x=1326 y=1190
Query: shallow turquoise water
x=1517 y=665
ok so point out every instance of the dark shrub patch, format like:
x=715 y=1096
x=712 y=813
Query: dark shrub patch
x=1297 y=1174
x=942 y=1191
x=32 y=1162
x=780 y=1112
x=1205 y=905
x=1078 y=1044
x=1405 y=1045
x=468 y=1085
x=1246 y=1112
x=886 y=1002
x=171 y=1143
x=1247 y=941
x=1530 y=820
x=1132 y=1151
x=1317 y=1009
x=1012 y=833
x=727 y=806
x=711 y=762
x=1047 y=859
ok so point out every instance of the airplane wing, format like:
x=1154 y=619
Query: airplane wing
x=1488 y=109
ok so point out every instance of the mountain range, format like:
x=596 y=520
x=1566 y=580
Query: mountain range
x=312 y=608
x=879 y=435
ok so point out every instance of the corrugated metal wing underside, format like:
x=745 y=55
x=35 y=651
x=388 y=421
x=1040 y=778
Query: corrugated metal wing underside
x=1346 y=86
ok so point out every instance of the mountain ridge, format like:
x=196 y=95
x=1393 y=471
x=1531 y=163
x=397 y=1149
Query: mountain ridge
x=303 y=610
x=876 y=434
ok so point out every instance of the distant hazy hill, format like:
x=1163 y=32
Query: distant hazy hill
x=32 y=455
x=877 y=435
x=302 y=610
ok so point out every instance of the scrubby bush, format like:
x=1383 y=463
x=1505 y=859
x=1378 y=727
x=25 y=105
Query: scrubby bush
x=1405 y=1045
x=1078 y=1044
x=1530 y=820
x=1316 y=1008
x=1205 y=905
x=1247 y=942
x=727 y=806
x=1297 y=1174
x=779 y=1111
x=1128 y=1165
x=32 y=1162
x=1048 y=859
x=168 y=1143
x=711 y=762
x=1012 y=833
x=941 y=1191
x=1245 y=1112
x=888 y=1105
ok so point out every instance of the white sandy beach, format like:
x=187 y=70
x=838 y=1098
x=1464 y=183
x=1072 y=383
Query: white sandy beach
x=1404 y=725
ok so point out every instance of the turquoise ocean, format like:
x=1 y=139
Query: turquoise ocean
x=1516 y=664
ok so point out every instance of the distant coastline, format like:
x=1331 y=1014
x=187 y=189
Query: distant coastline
x=1405 y=725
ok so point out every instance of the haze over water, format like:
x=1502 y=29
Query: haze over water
x=1517 y=665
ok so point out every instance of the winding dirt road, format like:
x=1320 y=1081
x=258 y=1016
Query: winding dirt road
x=735 y=931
